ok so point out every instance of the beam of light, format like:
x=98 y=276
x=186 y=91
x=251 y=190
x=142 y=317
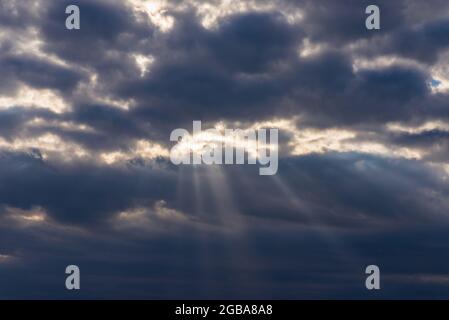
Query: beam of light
x=236 y=256
x=225 y=205
x=203 y=239
x=346 y=253
x=215 y=208
x=198 y=192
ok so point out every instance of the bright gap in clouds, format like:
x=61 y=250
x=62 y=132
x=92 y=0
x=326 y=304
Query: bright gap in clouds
x=440 y=74
x=298 y=141
x=144 y=63
x=4 y=258
x=35 y=215
x=27 y=96
x=156 y=11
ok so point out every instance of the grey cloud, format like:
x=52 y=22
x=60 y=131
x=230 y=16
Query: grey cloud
x=39 y=74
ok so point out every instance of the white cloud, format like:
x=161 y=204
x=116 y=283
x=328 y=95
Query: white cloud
x=27 y=96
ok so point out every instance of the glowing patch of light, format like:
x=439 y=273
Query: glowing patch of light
x=144 y=63
x=142 y=149
x=133 y=214
x=156 y=10
x=164 y=212
x=67 y=125
x=308 y=141
x=32 y=216
x=381 y=62
x=427 y=126
x=50 y=146
x=195 y=144
x=310 y=49
x=145 y=216
x=34 y=98
x=440 y=73
x=304 y=141
x=5 y=258
x=210 y=14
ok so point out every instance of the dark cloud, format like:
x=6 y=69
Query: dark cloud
x=343 y=190
x=251 y=43
x=76 y=195
x=13 y=13
x=87 y=193
x=13 y=120
x=111 y=125
x=328 y=92
x=224 y=68
x=116 y=30
x=434 y=143
x=423 y=43
x=343 y=23
x=39 y=74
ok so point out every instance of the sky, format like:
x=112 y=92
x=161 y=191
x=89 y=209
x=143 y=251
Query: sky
x=86 y=178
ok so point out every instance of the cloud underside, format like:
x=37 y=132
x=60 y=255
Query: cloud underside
x=85 y=176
